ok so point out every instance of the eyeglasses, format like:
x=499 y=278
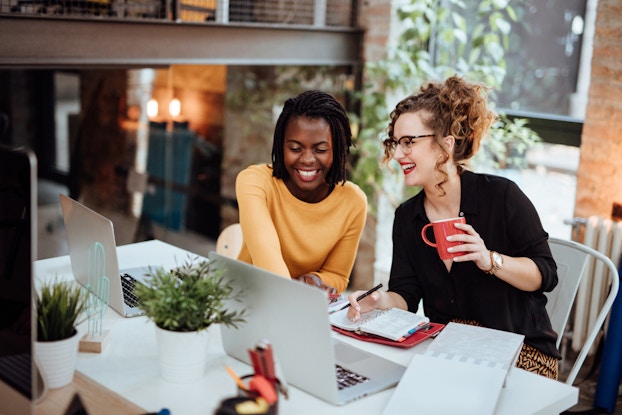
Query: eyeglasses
x=405 y=142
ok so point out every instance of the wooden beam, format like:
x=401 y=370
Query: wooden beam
x=27 y=42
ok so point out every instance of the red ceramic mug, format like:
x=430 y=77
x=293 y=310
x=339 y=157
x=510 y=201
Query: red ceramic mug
x=442 y=229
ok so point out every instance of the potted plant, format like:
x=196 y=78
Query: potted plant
x=183 y=303
x=58 y=305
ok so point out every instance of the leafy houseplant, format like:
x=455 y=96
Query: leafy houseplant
x=188 y=298
x=58 y=305
x=183 y=303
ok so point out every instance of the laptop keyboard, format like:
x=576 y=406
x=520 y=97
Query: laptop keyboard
x=128 y=283
x=347 y=378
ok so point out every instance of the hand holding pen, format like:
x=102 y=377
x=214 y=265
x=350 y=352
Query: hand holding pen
x=360 y=297
x=354 y=299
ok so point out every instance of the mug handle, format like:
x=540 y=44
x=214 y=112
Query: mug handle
x=425 y=238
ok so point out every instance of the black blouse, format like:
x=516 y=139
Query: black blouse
x=508 y=223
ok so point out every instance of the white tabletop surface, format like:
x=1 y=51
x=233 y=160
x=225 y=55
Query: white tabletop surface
x=128 y=365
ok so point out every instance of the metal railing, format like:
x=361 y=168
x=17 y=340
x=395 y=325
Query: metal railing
x=313 y=13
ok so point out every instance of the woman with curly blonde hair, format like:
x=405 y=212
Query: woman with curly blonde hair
x=506 y=264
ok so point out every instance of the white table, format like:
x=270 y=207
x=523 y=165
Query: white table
x=128 y=365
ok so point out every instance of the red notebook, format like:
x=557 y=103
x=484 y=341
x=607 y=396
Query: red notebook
x=416 y=338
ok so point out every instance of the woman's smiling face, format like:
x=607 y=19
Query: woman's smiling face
x=418 y=165
x=308 y=156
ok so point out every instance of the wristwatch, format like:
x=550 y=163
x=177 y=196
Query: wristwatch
x=497 y=262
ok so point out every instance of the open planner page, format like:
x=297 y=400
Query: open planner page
x=393 y=324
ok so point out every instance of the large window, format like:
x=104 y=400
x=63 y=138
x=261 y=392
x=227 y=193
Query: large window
x=545 y=82
x=543 y=61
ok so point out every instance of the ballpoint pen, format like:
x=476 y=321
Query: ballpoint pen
x=360 y=297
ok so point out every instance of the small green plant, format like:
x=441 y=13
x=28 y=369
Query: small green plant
x=189 y=298
x=58 y=306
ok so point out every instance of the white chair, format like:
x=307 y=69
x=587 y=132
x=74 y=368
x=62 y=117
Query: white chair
x=572 y=259
x=229 y=242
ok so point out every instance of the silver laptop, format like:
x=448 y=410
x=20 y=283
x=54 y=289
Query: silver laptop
x=85 y=227
x=293 y=316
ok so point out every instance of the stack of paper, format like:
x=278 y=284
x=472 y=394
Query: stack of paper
x=461 y=372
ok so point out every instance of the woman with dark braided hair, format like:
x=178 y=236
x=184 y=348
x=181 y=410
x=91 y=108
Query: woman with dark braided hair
x=300 y=217
x=506 y=266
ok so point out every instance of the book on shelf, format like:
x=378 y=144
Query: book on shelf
x=394 y=324
x=468 y=363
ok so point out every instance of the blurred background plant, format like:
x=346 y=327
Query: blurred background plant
x=436 y=39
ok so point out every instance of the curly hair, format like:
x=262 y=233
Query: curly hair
x=456 y=107
x=315 y=104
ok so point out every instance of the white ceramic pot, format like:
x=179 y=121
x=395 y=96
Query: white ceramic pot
x=182 y=355
x=57 y=360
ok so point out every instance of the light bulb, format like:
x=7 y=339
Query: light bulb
x=152 y=108
x=174 y=107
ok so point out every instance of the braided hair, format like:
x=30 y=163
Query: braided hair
x=315 y=104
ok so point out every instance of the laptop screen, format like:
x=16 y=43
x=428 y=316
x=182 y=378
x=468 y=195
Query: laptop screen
x=293 y=317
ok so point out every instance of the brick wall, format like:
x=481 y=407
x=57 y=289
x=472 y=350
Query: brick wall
x=599 y=177
x=375 y=18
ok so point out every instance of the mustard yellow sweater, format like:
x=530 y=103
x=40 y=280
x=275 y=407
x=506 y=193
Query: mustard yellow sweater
x=290 y=237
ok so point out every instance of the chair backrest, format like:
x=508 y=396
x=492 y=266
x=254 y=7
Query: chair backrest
x=572 y=259
x=229 y=242
x=571 y=264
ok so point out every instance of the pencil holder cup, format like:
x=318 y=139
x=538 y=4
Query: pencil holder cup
x=249 y=392
x=240 y=405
